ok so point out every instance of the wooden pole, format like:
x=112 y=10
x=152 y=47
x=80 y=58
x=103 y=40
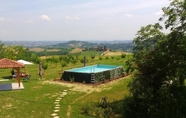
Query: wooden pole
x=18 y=75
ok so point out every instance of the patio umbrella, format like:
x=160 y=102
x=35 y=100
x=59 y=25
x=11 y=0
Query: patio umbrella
x=25 y=62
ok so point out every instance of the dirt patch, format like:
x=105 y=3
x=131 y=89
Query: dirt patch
x=117 y=53
x=36 y=49
x=76 y=50
x=88 y=88
x=53 y=50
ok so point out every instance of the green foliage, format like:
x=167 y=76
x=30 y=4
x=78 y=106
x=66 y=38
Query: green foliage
x=158 y=88
x=63 y=64
x=112 y=57
x=123 y=55
x=45 y=66
x=82 y=60
x=93 y=56
x=129 y=68
x=16 y=53
x=1 y=49
x=63 y=51
x=107 y=57
x=65 y=59
x=101 y=109
x=100 y=58
x=71 y=79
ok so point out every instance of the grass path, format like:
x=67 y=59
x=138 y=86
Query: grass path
x=69 y=106
x=87 y=89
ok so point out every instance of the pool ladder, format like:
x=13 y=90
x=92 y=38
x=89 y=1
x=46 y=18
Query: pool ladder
x=92 y=78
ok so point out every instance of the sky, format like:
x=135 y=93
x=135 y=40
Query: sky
x=62 y=20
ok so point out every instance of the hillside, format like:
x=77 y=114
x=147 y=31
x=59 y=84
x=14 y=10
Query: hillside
x=124 y=46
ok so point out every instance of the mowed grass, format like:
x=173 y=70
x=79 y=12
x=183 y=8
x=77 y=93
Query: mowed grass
x=38 y=97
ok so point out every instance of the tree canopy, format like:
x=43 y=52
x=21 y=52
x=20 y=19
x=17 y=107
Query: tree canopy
x=16 y=53
x=157 y=87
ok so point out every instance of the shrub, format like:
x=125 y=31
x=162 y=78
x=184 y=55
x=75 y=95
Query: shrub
x=71 y=79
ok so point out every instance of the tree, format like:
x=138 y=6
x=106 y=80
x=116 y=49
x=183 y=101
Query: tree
x=1 y=49
x=92 y=57
x=105 y=48
x=157 y=87
x=100 y=58
x=123 y=55
x=63 y=64
x=44 y=66
x=74 y=61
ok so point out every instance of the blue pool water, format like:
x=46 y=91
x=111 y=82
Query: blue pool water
x=92 y=69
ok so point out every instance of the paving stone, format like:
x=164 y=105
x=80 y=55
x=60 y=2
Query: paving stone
x=56 y=110
x=64 y=93
x=54 y=114
x=57 y=100
x=65 y=90
x=57 y=107
x=62 y=96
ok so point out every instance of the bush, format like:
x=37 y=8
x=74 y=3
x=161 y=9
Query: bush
x=71 y=79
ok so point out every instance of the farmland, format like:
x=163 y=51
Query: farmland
x=38 y=97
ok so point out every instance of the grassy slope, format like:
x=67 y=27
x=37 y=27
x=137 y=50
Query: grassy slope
x=37 y=99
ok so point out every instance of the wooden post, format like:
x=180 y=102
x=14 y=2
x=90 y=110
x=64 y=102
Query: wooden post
x=18 y=75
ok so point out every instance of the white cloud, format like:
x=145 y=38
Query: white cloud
x=159 y=13
x=45 y=17
x=72 y=17
x=1 y=19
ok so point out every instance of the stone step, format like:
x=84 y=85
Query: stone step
x=57 y=107
x=54 y=114
x=56 y=110
x=57 y=100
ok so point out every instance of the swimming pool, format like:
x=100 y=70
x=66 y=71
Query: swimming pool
x=92 y=69
x=93 y=73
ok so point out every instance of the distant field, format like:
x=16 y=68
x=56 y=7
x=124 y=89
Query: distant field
x=36 y=49
x=117 y=53
x=53 y=50
x=89 y=53
x=113 y=53
x=45 y=57
x=76 y=50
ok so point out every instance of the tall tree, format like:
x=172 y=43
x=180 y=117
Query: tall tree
x=157 y=87
x=1 y=49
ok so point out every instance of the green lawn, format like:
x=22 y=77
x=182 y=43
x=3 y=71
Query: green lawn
x=38 y=97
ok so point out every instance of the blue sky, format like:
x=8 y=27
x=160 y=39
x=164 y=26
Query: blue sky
x=61 y=20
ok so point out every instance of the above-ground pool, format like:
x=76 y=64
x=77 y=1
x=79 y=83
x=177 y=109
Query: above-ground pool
x=92 y=69
x=93 y=74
